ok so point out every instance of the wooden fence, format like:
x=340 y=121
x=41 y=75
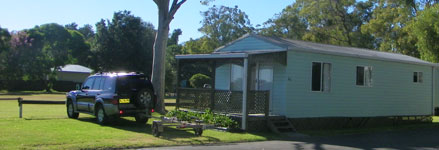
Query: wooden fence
x=45 y=102
x=21 y=102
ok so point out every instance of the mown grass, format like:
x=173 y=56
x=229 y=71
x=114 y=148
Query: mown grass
x=47 y=127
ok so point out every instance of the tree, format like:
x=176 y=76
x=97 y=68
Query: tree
x=287 y=24
x=325 y=21
x=26 y=59
x=123 y=44
x=172 y=49
x=388 y=25
x=203 y=45
x=80 y=49
x=224 y=24
x=425 y=28
x=158 y=74
x=71 y=26
x=5 y=39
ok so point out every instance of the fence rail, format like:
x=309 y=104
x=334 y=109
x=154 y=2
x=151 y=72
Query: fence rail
x=45 y=102
x=8 y=99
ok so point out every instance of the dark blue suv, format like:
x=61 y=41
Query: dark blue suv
x=113 y=95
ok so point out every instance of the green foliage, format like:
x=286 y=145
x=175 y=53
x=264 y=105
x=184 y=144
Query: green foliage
x=389 y=26
x=171 y=63
x=5 y=38
x=198 y=80
x=325 y=21
x=221 y=25
x=208 y=117
x=203 y=45
x=123 y=44
x=87 y=32
x=425 y=27
x=287 y=24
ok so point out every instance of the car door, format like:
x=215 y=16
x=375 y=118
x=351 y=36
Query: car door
x=82 y=97
x=94 y=92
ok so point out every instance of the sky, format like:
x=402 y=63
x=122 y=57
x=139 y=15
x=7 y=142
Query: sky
x=24 y=14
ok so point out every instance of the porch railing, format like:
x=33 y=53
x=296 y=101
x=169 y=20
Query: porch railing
x=222 y=101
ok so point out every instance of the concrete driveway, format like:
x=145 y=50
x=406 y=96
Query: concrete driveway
x=414 y=139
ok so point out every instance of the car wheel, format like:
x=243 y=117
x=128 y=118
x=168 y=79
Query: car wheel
x=144 y=98
x=70 y=111
x=141 y=118
x=101 y=117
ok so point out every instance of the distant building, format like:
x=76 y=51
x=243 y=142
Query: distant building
x=73 y=73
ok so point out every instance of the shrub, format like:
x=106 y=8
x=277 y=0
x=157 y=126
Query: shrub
x=198 y=80
x=208 y=117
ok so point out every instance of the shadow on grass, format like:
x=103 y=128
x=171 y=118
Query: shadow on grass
x=168 y=134
x=32 y=118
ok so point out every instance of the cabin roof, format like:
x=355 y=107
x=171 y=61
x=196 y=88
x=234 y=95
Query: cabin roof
x=256 y=44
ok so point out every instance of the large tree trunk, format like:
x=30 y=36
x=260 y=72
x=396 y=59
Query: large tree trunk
x=158 y=72
x=158 y=67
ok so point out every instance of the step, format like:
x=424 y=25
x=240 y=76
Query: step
x=280 y=124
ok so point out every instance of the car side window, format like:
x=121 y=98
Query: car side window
x=101 y=86
x=109 y=84
x=97 y=83
x=87 y=84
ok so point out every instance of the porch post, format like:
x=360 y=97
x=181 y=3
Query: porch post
x=212 y=94
x=244 y=95
x=177 y=100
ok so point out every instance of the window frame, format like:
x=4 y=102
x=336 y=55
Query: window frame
x=366 y=82
x=92 y=82
x=231 y=88
x=419 y=75
x=322 y=78
x=97 y=81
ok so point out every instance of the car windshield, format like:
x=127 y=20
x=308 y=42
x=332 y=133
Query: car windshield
x=130 y=83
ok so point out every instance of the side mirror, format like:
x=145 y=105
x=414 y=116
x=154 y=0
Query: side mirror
x=85 y=88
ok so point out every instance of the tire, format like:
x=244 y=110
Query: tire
x=101 y=117
x=70 y=111
x=198 y=131
x=155 y=129
x=145 y=98
x=141 y=118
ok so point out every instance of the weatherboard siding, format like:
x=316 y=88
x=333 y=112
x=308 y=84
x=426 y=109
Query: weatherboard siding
x=250 y=44
x=436 y=100
x=279 y=89
x=393 y=92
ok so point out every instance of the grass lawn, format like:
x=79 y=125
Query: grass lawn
x=47 y=127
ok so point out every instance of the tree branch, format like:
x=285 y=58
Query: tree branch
x=156 y=2
x=174 y=7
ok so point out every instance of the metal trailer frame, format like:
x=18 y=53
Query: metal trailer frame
x=198 y=126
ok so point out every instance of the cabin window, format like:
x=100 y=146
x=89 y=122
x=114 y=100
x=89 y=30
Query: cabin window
x=321 y=76
x=236 y=77
x=417 y=77
x=364 y=76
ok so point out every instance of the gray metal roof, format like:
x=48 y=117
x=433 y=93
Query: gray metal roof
x=75 y=68
x=212 y=56
x=297 y=45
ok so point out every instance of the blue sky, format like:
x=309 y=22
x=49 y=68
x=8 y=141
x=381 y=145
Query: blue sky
x=24 y=14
